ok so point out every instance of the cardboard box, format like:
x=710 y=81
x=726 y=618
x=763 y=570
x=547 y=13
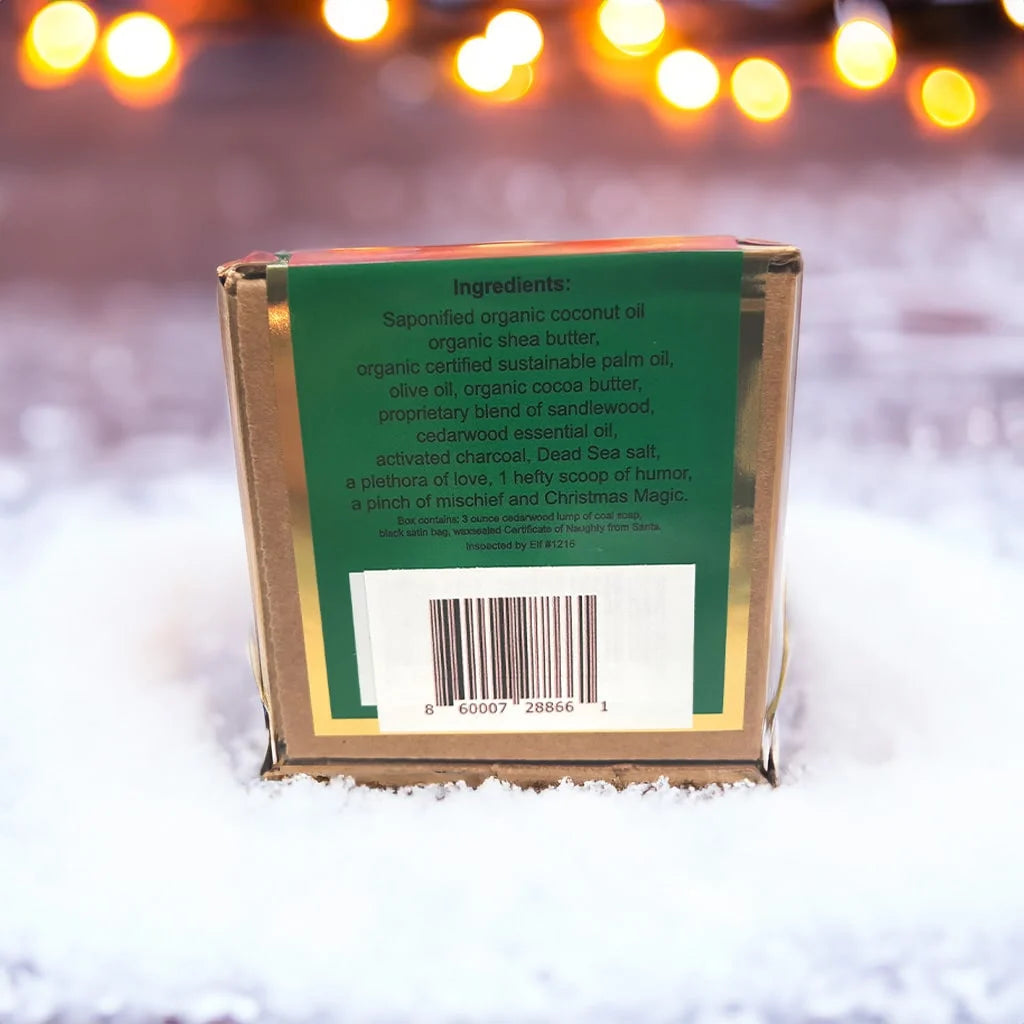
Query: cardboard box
x=516 y=510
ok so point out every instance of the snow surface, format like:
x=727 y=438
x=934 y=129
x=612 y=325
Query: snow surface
x=145 y=874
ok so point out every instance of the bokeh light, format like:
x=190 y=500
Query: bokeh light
x=61 y=37
x=34 y=73
x=139 y=46
x=519 y=83
x=948 y=98
x=517 y=35
x=633 y=26
x=481 y=66
x=143 y=93
x=688 y=79
x=1015 y=11
x=761 y=89
x=357 y=21
x=864 y=53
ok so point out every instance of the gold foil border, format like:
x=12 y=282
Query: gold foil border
x=286 y=391
x=744 y=461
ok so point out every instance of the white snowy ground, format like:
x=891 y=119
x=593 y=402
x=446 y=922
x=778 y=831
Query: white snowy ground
x=144 y=875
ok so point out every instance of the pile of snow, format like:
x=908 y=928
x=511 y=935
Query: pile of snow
x=146 y=874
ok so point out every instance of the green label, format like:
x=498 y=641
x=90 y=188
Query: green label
x=535 y=411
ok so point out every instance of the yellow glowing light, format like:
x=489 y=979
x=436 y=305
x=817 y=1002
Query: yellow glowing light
x=356 y=20
x=948 y=98
x=632 y=26
x=139 y=46
x=519 y=84
x=481 y=66
x=864 y=54
x=517 y=35
x=34 y=73
x=761 y=89
x=1015 y=11
x=142 y=93
x=61 y=36
x=688 y=80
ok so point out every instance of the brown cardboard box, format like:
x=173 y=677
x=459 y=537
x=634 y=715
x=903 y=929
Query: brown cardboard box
x=734 y=743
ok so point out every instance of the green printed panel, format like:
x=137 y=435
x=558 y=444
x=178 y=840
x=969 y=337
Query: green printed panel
x=542 y=410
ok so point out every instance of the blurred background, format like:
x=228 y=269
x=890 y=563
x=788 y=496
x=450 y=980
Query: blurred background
x=143 y=143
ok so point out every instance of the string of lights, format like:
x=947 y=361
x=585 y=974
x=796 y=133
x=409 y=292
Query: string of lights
x=630 y=45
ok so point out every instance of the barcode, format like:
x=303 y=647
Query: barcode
x=514 y=648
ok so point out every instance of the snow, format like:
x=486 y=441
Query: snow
x=146 y=873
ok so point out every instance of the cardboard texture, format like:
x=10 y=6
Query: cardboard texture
x=273 y=491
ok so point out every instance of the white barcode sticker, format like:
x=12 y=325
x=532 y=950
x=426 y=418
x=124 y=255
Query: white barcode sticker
x=539 y=649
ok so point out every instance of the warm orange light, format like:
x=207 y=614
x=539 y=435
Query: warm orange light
x=948 y=98
x=143 y=93
x=520 y=82
x=34 y=73
x=481 y=66
x=761 y=89
x=1015 y=11
x=688 y=79
x=61 y=37
x=864 y=53
x=633 y=26
x=139 y=46
x=517 y=35
x=356 y=20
